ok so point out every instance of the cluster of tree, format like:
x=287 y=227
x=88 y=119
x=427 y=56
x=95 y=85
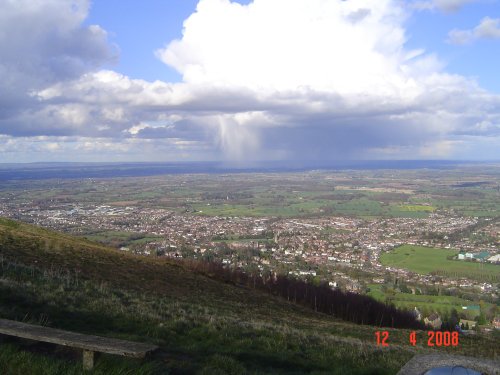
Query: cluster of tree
x=118 y=241
x=450 y=320
x=465 y=326
x=348 y=306
x=467 y=232
x=429 y=235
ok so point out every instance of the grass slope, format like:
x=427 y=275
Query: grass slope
x=202 y=326
x=427 y=260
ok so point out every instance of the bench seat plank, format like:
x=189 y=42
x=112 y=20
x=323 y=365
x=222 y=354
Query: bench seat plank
x=75 y=340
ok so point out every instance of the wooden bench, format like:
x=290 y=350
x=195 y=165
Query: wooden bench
x=88 y=343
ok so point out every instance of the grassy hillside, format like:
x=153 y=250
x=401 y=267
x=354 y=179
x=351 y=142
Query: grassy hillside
x=201 y=325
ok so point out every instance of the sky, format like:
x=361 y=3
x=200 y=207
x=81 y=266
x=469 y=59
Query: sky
x=253 y=80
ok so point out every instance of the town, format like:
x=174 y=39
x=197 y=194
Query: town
x=345 y=252
x=350 y=252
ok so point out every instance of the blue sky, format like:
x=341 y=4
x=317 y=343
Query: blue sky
x=123 y=80
x=139 y=28
x=481 y=59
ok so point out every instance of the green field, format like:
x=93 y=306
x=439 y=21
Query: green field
x=417 y=208
x=307 y=203
x=427 y=260
x=369 y=193
x=118 y=238
x=425 y=303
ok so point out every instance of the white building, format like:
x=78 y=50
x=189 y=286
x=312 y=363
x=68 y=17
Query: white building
x=494 y=258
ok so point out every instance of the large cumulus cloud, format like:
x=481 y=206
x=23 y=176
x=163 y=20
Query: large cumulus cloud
x=331 y=79
x=42 y=43
x=274 y=79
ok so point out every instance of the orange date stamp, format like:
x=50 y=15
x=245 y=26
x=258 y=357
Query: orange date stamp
x=434 y=338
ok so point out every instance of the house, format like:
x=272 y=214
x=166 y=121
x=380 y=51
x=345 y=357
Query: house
x=496 y=322
x=417 y=314
x=481 y=257
x=434 y=321
x=494 y=258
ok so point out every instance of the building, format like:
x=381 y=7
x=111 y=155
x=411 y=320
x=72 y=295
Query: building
x=496 y=322
x=434 y=321
x=417 y=314
x=494 y=258
x=482 y=256
x=472 y=308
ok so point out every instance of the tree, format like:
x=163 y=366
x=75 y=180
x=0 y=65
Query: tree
x=454 y=319
x=481 y=319
x=491 y=312
x=404 y=288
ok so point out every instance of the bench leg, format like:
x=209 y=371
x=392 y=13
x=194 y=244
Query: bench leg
x=88 y=359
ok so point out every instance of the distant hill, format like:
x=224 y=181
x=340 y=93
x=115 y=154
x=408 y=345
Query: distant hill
x=202 y=325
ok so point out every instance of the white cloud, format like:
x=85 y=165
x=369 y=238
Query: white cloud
x=488 y=28
x=43 y=43
x=298 y=79
x=53 y=148
x=441 y=149
x=134 y=130
x=284 y=45
x=329 y=70
x=443 y=5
